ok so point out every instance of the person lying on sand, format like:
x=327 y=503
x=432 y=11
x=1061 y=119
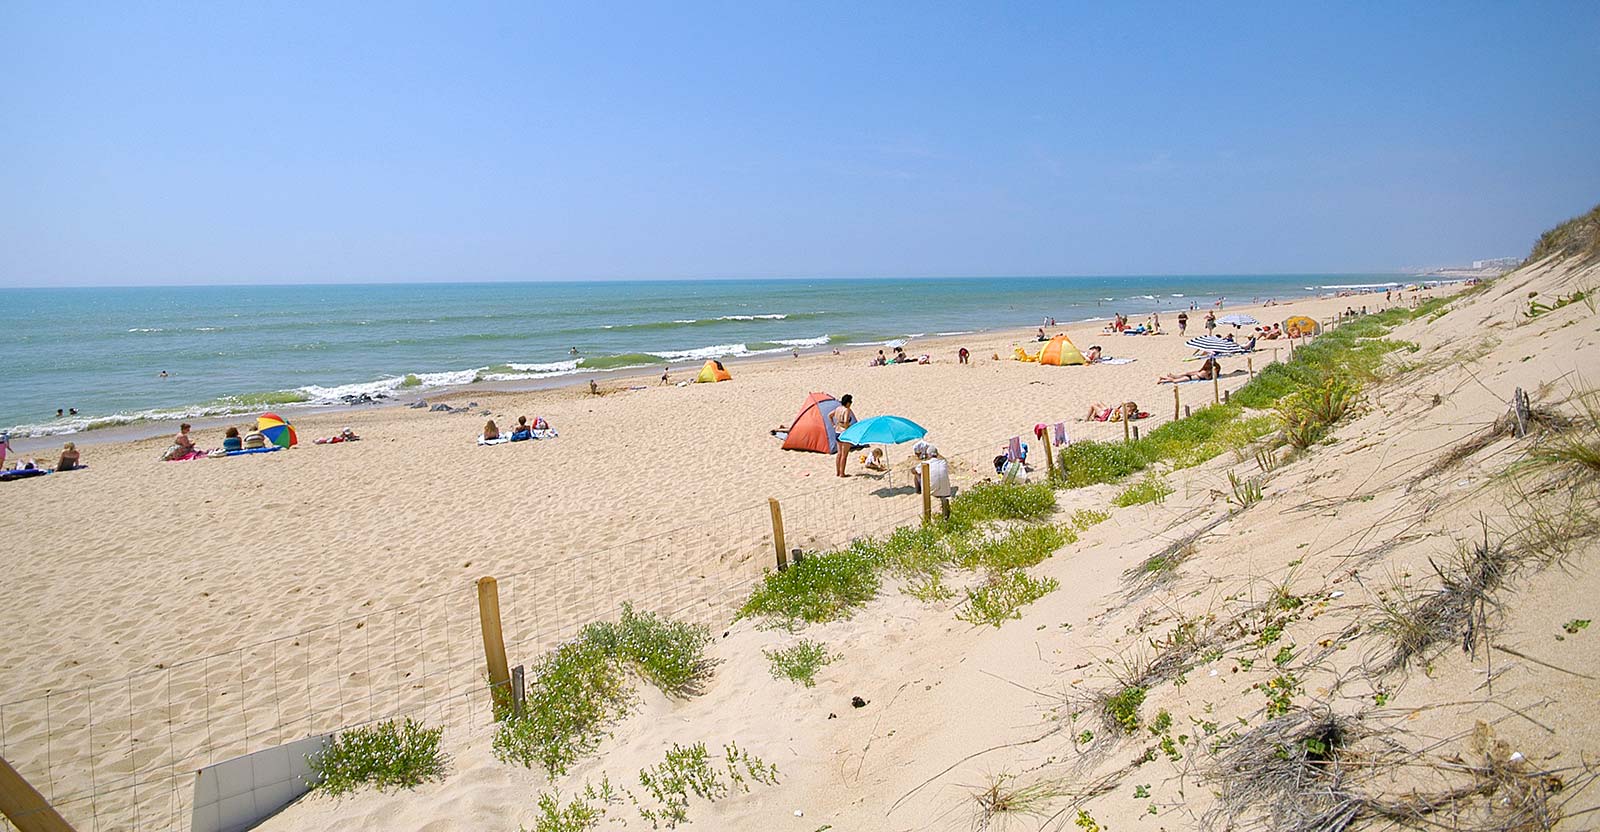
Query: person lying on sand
x=1208 y=370
x=1099 y=412
x=1093 y=354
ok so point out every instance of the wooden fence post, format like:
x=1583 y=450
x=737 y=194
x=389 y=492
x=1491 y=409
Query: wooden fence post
x=1216 y=387
x=1125 y=436
x=777 y=533
x=1049 y=456
x=494 y=646
x=927 y=495
x=1176 y=411
x=1136 y=433
x=1250 y=363
x=22 y=804
x=1225 y=396
x=1187 y=411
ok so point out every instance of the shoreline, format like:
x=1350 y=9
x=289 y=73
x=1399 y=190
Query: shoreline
x=144 y=430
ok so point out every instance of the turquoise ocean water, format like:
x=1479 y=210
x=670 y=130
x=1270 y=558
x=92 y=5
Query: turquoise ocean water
x=244 y=349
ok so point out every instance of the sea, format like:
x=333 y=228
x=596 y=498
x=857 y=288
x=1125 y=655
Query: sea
x=121 y=356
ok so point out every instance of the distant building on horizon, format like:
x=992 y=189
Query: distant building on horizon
x=1497 y=263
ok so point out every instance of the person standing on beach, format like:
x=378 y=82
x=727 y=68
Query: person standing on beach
x=664 y=371
x=1211 y=321
x=843 y=417
x=1183 y=323
x=5 y=448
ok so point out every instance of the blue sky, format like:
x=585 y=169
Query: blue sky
x=214 y=143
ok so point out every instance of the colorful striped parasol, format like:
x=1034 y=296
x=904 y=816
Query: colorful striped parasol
x=277 y=431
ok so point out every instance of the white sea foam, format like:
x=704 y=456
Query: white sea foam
x=147 y=329
x=701 y=353
x=804 y=342
x=772 y=317
x=958 y=332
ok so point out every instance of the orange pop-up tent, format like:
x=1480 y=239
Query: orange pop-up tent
x=812 y=429
x=1061 y=352
x=713 y=371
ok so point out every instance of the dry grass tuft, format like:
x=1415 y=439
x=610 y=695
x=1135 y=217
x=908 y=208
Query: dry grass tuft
x=1314 y=771
x=1003 y=799
x=1417 y=623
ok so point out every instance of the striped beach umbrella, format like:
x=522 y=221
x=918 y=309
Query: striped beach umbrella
x=1211 y=343
x=1238 y=320
x=277 y=431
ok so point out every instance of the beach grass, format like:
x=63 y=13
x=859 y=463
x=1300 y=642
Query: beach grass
x=581 y=687
x=1311 y=391
x=800 y=662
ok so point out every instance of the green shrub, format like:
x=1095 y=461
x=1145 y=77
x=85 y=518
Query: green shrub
x=820 y=588
x=1002 y=598
x=668 y=654
x=1089 y=463
x=1002 y=501
x=1017 y=548
x=1122 y=708
x=385 y=755
x=1083 y=518
x=800 y=662
x=1154 y=488
x=577 y=690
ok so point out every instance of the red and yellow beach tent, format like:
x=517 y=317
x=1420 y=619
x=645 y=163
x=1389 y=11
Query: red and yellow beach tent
x=812 y=429
x=713 y=371
x=1061 y=352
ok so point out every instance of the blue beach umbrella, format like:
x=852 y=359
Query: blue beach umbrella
x=883 y=430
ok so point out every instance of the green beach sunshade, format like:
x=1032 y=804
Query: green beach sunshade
x=883 y=430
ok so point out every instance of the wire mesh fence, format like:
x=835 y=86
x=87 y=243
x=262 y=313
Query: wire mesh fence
x=122 y=754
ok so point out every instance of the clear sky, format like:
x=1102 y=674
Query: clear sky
x=297 y=142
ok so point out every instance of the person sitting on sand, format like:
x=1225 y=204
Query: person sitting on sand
x=182 y=444
x=69 y=457
x=1207 y=371
x=521 y=432
x=1042 y=336
x=963 y=355
x=874 y=459
x=231 y=440
x=1250 y=345
x=1093 y=354
x=255 y=440
x=490 y=430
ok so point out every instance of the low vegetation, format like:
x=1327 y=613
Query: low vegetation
x=1004 y=797
x=1154 y=488
x=800 y=662
x=387 y=755
x=577 y=690
x=993 y=527
x=665 y=789
x=1003 y=596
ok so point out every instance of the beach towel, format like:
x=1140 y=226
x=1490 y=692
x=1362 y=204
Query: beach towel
x=1116 y=361
x=499 y=440
x=1014 y=452
x=22 y=474
x=194 y=454
x=545 y=433
x=1061 y=435
x=267 y=450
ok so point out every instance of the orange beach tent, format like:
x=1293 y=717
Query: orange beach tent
x=812 y=429
x=713 y=371
x=1061 y=352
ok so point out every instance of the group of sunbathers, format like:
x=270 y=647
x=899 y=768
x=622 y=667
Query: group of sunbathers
x=524 y=430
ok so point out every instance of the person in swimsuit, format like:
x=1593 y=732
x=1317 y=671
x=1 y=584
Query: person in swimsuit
x=231 y=440
x=69 y=457
x=490 y=430
x=1207 y=370
x=843 y=417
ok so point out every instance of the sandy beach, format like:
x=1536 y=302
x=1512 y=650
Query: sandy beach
x=652 y=494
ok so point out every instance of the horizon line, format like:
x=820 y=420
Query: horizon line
x=569 y=281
